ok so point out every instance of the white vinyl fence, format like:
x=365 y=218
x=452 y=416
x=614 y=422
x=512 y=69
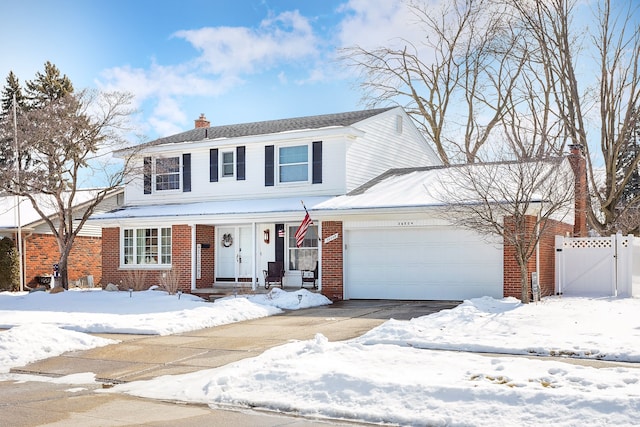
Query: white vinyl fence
x=598 y=266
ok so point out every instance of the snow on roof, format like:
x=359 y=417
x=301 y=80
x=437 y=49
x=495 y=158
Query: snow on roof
x=28 y=215
x=430 y=187
x=226 y=207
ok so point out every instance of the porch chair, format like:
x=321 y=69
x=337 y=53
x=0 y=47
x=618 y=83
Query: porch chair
x=310 y=276
x=274 y=274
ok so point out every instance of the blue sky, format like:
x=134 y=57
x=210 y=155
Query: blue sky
x=235 y=61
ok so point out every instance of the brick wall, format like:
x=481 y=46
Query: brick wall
x=41 y=252
x=546 y=275
x=332 y=261
x=205 y=235
x=180 y=254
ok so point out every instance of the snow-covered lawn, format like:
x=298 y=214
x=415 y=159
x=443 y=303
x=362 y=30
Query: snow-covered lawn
x=403 y=372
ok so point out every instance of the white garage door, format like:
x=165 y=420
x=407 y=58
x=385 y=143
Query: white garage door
x=437 y=263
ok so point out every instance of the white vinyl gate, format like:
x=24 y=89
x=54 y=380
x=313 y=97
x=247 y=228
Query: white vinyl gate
x=595 y=266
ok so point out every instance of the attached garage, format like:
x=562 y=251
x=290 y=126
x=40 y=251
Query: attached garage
x=420 y=263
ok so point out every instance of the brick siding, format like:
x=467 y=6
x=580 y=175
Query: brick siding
x=204 y=236
x=180 y=258
x=546 y=275
x=41 y=252
x=332 y=261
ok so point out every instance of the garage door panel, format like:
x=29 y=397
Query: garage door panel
x=424 y=263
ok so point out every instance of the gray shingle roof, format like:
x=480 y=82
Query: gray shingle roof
x=270 y=126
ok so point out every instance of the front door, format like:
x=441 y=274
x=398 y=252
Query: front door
x=234 y=254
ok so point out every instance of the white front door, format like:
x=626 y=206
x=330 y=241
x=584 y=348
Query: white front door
x=234 y=255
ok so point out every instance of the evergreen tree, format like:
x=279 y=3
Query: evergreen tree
x=12 y=88
x=48 y=87
x=628 y=158
x=628 y=167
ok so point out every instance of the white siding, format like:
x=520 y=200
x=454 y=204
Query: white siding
x=333 y=175
x=383 y=148
x=89 y=229
x=351 y=156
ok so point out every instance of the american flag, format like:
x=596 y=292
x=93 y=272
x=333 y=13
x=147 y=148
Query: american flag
x=302 y=230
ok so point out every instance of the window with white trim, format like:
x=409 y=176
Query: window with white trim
x=228 y=164
x=146 y=246
x=304 y=257
x=293 y=164
x=167 y=173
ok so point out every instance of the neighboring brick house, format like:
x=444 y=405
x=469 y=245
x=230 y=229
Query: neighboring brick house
x=40 y=249
x=216 y=204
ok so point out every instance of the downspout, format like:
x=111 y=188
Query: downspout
x=538 y=250
x=254 y=250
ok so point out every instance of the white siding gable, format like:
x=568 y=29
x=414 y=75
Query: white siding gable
x=391 y=141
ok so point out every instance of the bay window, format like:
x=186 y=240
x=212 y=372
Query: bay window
x=146 y=246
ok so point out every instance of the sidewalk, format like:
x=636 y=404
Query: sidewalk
x=140 y=357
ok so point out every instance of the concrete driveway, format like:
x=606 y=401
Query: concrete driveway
x=140 y=357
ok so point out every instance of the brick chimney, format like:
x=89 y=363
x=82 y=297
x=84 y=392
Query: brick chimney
x=579 y=166
x=202 y=122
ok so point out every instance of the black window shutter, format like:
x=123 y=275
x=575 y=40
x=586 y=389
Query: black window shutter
x=279 y=242
x=240 y=163
x=317 y=163
x=213 y=165
x=268 y=165
x=147 y=175
x=186 y=172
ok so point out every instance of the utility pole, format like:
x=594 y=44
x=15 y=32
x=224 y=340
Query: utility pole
x=18 y=221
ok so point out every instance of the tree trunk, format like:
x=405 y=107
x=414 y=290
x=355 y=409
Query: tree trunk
x=524 y=281
x=63 y=270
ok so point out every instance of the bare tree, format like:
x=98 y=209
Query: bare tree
x=615 y=40
x=456 y=83
x=511 y=202
x=58 y=143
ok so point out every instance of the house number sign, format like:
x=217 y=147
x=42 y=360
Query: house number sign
x=331 y=238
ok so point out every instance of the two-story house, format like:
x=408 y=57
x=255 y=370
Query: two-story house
x=216 y=204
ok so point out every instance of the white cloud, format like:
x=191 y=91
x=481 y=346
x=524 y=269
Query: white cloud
x=226 y=55
x=374 y=23
x=239 y=50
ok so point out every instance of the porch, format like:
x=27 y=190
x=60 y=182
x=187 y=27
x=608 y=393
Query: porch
x=225 y=289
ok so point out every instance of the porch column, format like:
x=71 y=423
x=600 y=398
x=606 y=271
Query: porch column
x=193 y=257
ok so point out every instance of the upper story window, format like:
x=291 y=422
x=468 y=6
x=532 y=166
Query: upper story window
x=227 y=164
x=287 y=164
x=293 y=164
x=167 y=172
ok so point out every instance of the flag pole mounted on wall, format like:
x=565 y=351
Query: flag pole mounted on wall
x=304 y=226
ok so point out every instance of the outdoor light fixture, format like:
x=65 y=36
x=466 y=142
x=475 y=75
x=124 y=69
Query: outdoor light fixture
x=130 y=292
x=266 y=235
x=299 y=298
x=179 y=293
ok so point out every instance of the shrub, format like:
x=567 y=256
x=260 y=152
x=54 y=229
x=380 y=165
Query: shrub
x=135 y=280
x=9 y=266
x=170 y=282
